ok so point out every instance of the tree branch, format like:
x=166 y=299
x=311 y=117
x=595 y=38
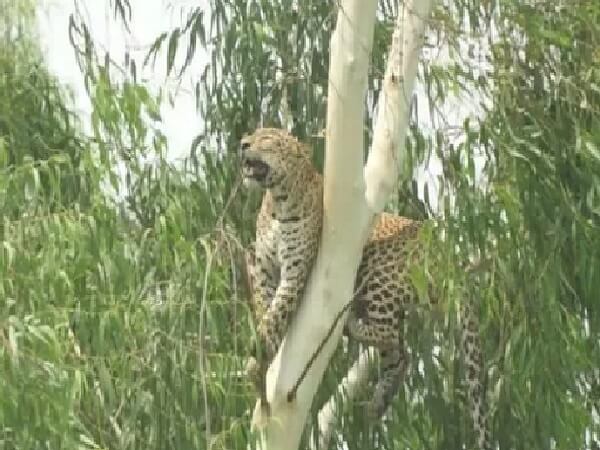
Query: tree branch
x=350 y=198
x=386 y=156
x=345 y=227
x=352 y=383
x=385 y=160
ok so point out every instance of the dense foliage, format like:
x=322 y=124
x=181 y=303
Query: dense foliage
x=122 y=323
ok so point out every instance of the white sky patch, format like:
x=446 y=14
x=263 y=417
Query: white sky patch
x=150 y=18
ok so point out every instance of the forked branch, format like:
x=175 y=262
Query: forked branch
x=385 y=159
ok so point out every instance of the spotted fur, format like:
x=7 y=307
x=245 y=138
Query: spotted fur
x=288 y=228
x=287 y=235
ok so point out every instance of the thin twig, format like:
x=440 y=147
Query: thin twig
x=292 y=393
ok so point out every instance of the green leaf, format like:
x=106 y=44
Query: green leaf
x=172 y=49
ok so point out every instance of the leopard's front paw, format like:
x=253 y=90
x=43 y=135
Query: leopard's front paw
x=372 y=410
x=253 y=372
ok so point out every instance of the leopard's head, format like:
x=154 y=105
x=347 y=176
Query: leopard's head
x=271 y=157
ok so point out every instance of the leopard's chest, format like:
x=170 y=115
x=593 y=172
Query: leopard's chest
x=281 y=240
x=268 y=240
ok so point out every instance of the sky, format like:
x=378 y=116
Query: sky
x=150 y=18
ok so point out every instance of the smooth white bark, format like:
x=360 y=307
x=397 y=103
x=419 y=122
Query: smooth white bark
x=393 y=107
x=385 y=159
x=352 y=194
x=350 y=386
x=345 y=226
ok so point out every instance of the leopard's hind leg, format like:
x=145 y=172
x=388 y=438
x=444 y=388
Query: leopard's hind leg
x=393 y=369
x=388 y=338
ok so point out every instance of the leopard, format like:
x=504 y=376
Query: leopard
x=288 y=228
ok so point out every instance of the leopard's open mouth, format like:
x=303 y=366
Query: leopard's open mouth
x=255 y=169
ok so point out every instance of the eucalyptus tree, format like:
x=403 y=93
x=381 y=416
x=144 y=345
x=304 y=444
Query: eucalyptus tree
x=531 y=67
x=122 y=323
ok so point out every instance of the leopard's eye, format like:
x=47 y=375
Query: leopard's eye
x=244 y=145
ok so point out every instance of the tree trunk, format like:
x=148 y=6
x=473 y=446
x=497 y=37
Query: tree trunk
x=350 y=200
x=385 y=160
